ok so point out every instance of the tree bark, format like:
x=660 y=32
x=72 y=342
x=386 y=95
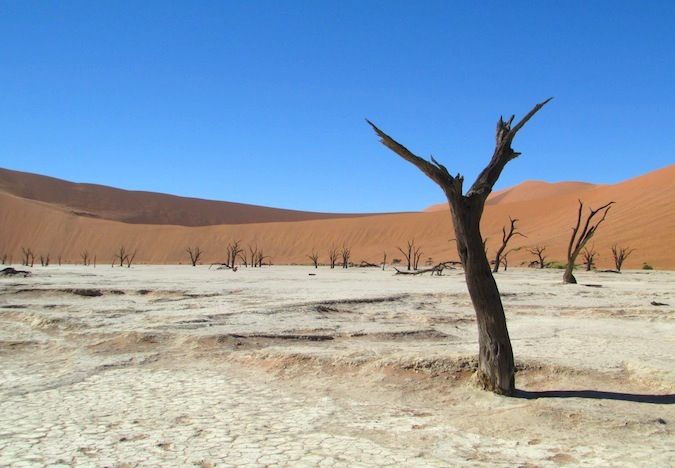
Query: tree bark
x=496 y=365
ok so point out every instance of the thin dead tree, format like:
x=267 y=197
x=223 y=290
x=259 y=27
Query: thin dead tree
x=620 y=254
x=417 y=255
x=506 y=237
x=194 y=253
x=121 y=255
x=345 y=253
x=496 y=368
x=27 y=257
x=130 y=258
x=233 y=252
x=44 y=260
x=84 y=255
x=579 y=239
x=409 y=253
x=3 y=259
x=384 y=260
x=314 y=257
x=539 y=252
x=589 y=257
x=332 y=256
x=260 y=258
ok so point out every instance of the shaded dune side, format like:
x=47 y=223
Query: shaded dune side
x=643 y=218
x=137 y=207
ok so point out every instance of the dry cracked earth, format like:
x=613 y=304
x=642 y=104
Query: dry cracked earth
x=185 y=366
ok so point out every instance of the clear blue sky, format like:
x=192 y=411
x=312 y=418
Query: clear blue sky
x=264 y=101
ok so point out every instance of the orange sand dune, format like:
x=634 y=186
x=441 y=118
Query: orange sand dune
x=643 y=218
x=98 y=201
x=528 y=190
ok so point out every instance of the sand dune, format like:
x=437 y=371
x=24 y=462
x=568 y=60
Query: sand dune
x=643 y=218
x=136 y=207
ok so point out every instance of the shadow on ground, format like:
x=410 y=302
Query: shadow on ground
x=667 y=399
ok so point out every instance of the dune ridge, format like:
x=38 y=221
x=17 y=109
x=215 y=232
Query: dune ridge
x=643 y=218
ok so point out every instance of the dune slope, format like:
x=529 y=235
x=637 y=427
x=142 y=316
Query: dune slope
x=643 y=219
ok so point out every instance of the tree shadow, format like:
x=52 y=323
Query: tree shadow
x=666 y=399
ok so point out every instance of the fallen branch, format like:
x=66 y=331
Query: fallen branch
x=437 y=269
x=12 y=272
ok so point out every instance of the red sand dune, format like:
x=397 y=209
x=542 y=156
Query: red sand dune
x=34 y=213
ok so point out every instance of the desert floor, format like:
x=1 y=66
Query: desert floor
x=190 y=366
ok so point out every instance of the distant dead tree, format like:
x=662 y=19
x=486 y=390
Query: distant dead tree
x=409 y=254
x=384 y=260
x=496 y=368
x=194 y=253
x=59 y=259
x=84 y=255
x=314 y=257
x=579 y=239
x=28 y=257
x=130 y=259
x=620 y=254
x=417 y=255
x=539 y=252
x=233 y=251
x=3 y=259
x=95 y=260
x=504 y=258
x=333 y=256
x=44 y=260
x=506 y=237
x=345 y=253
x=260 y=257
x=121 y=255
x=589 y=257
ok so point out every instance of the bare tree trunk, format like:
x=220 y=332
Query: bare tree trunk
x=496 y=367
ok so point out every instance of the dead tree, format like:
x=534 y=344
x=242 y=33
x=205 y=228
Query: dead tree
x=620 y=254
x=345 y=253
x=579 y=239
x=28 y=257
x=506 y=237
x=496 y=368
x=130 y=258
x=44 y=260
x=233 y=251
x=589 y=257
x=409 y=254
x=314 y=257
x=384 y=260
x=417 y=255
x=539 y=252
x=59 y=259
x=260 y=258
x=332 y=256
x=84 y=255
x=253 y=252
x=3 y=259
x=194 y=253
x=122 y=255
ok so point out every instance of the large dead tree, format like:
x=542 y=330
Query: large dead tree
x=581 y=236
x=620 y=254
x=314 y=257
x=589 y=257
x=506 y=237
x=194 y=253
x=539 y=252
x=496 y=368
